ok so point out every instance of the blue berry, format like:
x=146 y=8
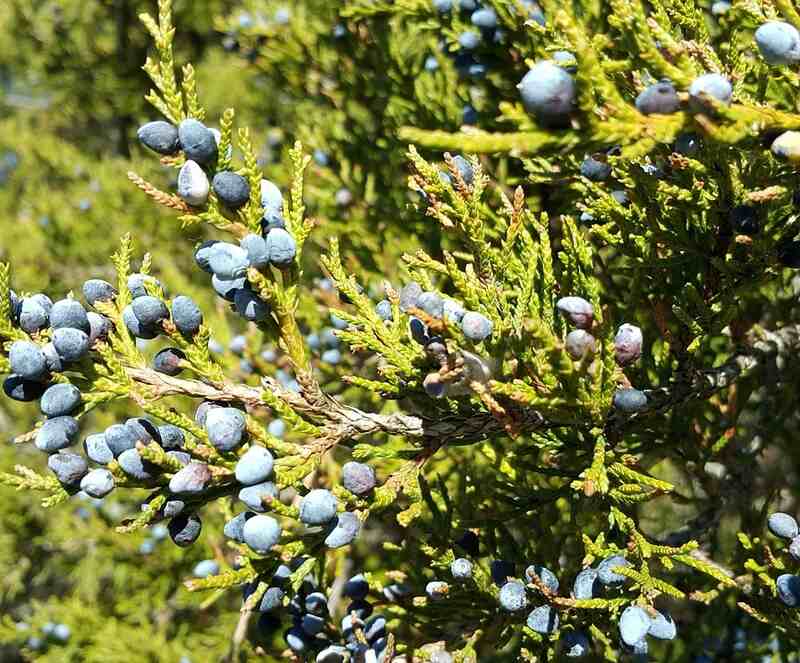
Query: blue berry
x=226 y=428
x=136 y=284
x=98 y=290
x=469 y=115
x=783 y=525
x=97 y=449
x=499 y=569
x=226 y=288
x=70 y=344
x=272 y=599
x=261 y=533
x=159 y=136
x=476 y=327
x=234 y=528
x=99 y=327
x=343 y=197
x=778 y=42
x=202 y=253
x=249 y=305
x=277 y=428
x=548 y=93
x=69 y=468
x=60 y=399
x=168 y=361
x=232 y=190
x=595 y=169
x=543 y=619
x=143 y=429
x=461 y=568
x=409 y=296
x=119 y=438
x=271 y=197
x=227 y=261
x=205 y=568
x=576 y=644
x=252 y=495
x=254 y=466
x=513 y=596
x=312 y=624
x=97 y=483
x=318 y=507
x=658 y=98
x=547 y=577
x=69 y=313
x=19 y=389
x=432 y=303
x=134 y=327
x=579 y=343
x=193 y=185
x=468 y=5
x=628 y=344
x=586 y=585
x=356 y=588
x=633 y=624
x=469 y=40
x=184 y=529
x=61 y=633
x=662 y=626
x=191 y=479
x=629 y=401
x=32 y=316
x=346 y=530
x=789 y=589
x=281 y=246
x=197 y=142
x=149 y=311
x=687 y=144
x=712 y=85
x=27 y=360
x=437 y=590
x=442 y=6
x=135 y=466
x=186 y=315
x=384 y=309
x=486 y=19
x=332 y=357
x=56 y=434
x=238 y=345
x=577 y=310
x=605 y=573
x=431 y=63
x=358 y=478
x=256 y=248
x=453 y=311
x=419 y=332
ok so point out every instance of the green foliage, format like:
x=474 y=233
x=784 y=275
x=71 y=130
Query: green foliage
x=525 y=447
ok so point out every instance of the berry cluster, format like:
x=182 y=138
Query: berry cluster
x=362 y=635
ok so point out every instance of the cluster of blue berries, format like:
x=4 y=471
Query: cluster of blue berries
x=318 y=509
x=580 y=343
x=51 y=633
x=362 y=635
x=226 y=262
x=785 y=526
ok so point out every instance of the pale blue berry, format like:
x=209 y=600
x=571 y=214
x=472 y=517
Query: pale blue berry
x=778 y=42
x=476 y=327
x=254 y=466
x=253 y=496
x=318 y=507
x=226 y=428
x=633 y=624
x=783 y=525
x=159 y=136
x=543 y=619
x=548 y=93
x=186 y=315
x=197 y=141
x=56 y=434
x=184 y=529
x=60 y=399
x=261 y=533
x=513 y=596
x=98 y=483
